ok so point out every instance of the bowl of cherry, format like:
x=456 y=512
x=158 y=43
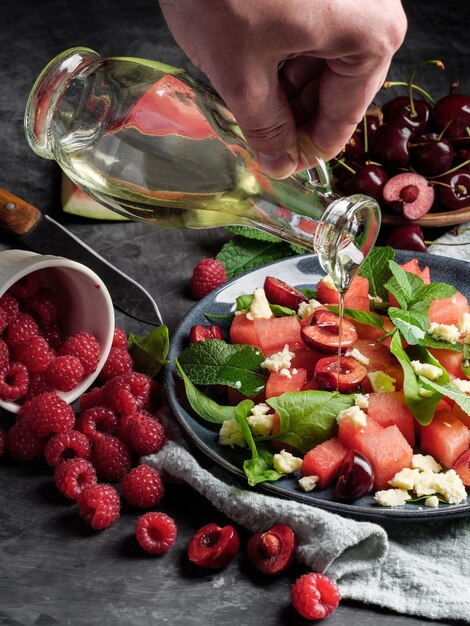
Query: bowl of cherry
x=413 y=156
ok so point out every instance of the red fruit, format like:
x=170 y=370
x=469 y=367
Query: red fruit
x=3 y=320
x=34 y=353
x=14 y=380
x=351 y=373
x=111 y=458
x=213 y=547
x=454 y=193
x=409 y=237
x=409 y=194
x=119 y=362
x=207 y=275
x=69 y=445
x=52 y=335
x=4 y=354
x=119 y=338
x=37 y=385
x=22 y=443
x=273 y=551
x=99 y=506
x=10 y=305
x=322 y=334
x=462 y=467
x=65 y=373
x=155 y=532
x=142 y=487
x=84 y=346
x=201 y=333
x=279 y=292
x=93 y=398
x=26 y=286
x=22 y=328
x=315 y=596
x=144 y=435
x=73 y=476
x=356 y=478
x=127 y=393
x=48 y=414
x=44 y=305
x=97 y=422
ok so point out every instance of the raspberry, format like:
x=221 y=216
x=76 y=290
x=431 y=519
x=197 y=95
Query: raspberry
x=26 y=286
x=10 y=305
x=207 y=275
x=144 y=435
x=119 y=338
x=34 y=353
x=3 y=320
x=14 y=380
x=155 y=532
x=94 y=397
x=52 y=335
x=315 y=596
x=142 y=487
x=119 y=362
x=3 y=441
x=4 y=354
x=22 y=443
x=97 y=422
x=37 y=385
x=22 y=328
x=44 y=304
x=49 y=414
x=99 y=506
x=127 y=393
x=111 y=457
x=84 y=346
x=123 y=424
x=65 y=373
x=69 y=445
x=73 y=476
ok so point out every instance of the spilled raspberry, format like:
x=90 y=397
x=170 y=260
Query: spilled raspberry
x=142 y=487
x=22 y=443
x=315 y=596
x=111 y=458
x=99 y=506
x=92 y=398
x=207 y=275
x=97 y=422
x=155 y=532
x=144 y=435
x=73 y=476
x=68 y=445
x=119 y=362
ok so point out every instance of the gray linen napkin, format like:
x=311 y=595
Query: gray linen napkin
x=417 y=569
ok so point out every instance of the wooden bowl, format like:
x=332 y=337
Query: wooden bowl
x=430 y=220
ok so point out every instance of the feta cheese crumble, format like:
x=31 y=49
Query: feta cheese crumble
x=432 y=501
x=279 y=360
x=286 y=463
x=391 y=497
x=426 y=369
x=259 y=309
x=444 y=332
x=356 y=354
x=308 y=483
x=356 y=415
x=462 y=385
x=361 y=400
x=425 y=462
x=307 y=308
x=405 y=479
x=261 y=420
x=231 y=434
x=464 y=324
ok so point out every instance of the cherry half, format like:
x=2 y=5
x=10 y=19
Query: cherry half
x=279 y=292
x=322 y=334
x=409 y=194
x=356 y=478
x=350 y=375
x=213 y=547
x=273 y=551
x=201 y=333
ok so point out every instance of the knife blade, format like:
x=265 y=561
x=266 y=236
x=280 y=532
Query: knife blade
x=40 y=233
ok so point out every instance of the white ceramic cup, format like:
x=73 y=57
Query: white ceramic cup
x=83 y=299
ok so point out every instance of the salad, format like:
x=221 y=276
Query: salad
x=389 y=416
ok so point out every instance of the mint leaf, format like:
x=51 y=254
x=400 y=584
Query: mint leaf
x=363 y=317
x=435 y=291
x=298 y=249
x=448 y=390
x=253 y=233
x=214 y=362
x=377 y=271
x=308 y=418
x=403 y=285
x=411 y=324
x=204 y=406
x=239 y=255
x=149 y=352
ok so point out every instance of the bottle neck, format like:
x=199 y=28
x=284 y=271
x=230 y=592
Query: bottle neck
x=46 y=92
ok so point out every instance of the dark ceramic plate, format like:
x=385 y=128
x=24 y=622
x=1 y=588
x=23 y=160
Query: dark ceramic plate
x=300 y=271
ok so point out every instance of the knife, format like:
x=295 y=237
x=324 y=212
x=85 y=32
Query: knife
x=40 y=233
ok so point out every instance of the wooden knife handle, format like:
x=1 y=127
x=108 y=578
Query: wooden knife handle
x=17 y=216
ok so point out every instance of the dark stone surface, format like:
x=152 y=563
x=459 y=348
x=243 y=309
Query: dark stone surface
x=53 y=569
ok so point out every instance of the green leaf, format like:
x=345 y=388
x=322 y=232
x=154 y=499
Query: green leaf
x=243 y=302
x=430 y=342
x=435 y=291
x=311 y=294
x=411 y=324
x=466 y=359
x=377 y=271
x=461 y=398
x=403 y=285
x=298 y=249
x=281 y=311
x=253 y=233
x=308 y=418
x=239 y=255
x=363 y=317
x=214 y=362
x=204 y=406
x=149 y=352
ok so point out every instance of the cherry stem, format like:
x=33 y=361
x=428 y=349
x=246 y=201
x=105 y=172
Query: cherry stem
x=366 y=134
x=454 y=169
x=348 y=167
x=439 y=243
x=435 y=62
x=399 y=83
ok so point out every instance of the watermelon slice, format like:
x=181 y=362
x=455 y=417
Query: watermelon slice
x=324 y=461
x=390 y=408
x=275 y=333
x=77 y=202
x=445 y=438
x=449 y=310
x=243 y=330
x=278 y=383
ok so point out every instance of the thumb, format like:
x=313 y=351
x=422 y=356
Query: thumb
x=262 y=111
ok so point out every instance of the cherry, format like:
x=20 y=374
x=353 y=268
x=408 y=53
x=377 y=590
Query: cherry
x=390 y=106
x=409 y=194
x=454 y=192
x=279 y=292
x=409 y=237
x=350 y=375
x=369 y=180
x=356 y=478
x=354 y=147
x=201 y=333
x=414 y=116
x=273 y=551
x=213 y=547
x=451 y=114
x=462 y=467
x=322 y=334
x=373 y=122
x=431 y=155
x=390 y=144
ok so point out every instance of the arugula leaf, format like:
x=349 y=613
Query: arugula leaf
x=214 y=362
x=239 y=255
x=149 y=352
x=376 y=269
x=281 y=311
x=411 y=324
x=308 y=418
x=447 y=389
x=363 y=317
x=466 y=359
x=253 y=233
x=430 y=342
x=243 y=304
x=260 y=467
x=204 y=406
x=311 y=294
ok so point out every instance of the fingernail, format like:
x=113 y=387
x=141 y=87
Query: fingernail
x=278 y=165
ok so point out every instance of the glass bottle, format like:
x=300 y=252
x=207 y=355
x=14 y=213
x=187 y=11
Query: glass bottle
x=158 y=146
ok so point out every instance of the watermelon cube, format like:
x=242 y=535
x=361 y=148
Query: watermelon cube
x=450 y=359
x=352 y=436
x=306 y=358
x=356 y=297
x=390 y=408
x=324 y=461
x=275 y=333
x=445 y=438
x=243 y=331
x=449 y=310
x=278 y=383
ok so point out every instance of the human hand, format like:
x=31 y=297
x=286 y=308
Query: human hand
x=335 y=55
